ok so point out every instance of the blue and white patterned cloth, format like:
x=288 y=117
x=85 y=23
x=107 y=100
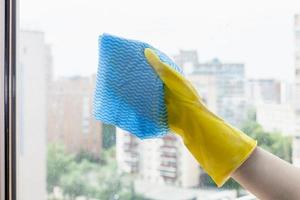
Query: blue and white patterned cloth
x=128 y=92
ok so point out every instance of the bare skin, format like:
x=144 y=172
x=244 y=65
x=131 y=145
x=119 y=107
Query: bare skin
x=268 y=177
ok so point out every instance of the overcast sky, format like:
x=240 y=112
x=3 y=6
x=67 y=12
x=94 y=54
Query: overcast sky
x=258 y=33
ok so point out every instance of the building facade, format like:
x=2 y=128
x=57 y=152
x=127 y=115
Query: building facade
x=263 y=91
x=127 y=152
x=187 y=60
x=296 y=143
x=230 y=84
x=163 y=161
x=297 y=71
x=276 y=117
x=296 y=151
x=269 y=91
x=70 y=119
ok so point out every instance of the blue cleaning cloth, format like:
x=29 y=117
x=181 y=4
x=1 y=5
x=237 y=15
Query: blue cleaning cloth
x=128 y=92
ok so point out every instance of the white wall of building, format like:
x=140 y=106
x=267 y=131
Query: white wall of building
x=276 y=117
x=150 y=161
x=189 y=167
x=296 y=151
x=297 y=71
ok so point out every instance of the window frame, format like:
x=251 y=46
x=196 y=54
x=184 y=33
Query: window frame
x=2 y=100
x=8 y=167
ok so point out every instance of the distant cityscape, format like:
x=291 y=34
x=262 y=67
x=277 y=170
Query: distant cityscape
x=58 y=110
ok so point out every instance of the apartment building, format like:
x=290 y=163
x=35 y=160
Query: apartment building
x=296 y=143
x=70 y=119
x=164 y=161
x=276 y=117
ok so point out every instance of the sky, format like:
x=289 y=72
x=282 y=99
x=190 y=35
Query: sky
x=258 y=33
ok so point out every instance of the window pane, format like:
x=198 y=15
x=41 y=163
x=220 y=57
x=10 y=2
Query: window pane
x=242 y=59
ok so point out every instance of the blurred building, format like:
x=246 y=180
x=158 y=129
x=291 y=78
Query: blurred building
x=187 y=60
x=230 y=84
x=296 y=143
x=286 y=92
x=260 y=91
x=268 y=91
x=276 y=117
x=296 y=151
x=297 y=71
x=33 y=74
x=162 y=161
x=127 y=152
x=272 y=100
x=70 y=121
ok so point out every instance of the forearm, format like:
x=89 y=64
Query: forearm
x=268 y=177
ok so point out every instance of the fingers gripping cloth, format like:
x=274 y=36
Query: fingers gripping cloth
x=128 y=92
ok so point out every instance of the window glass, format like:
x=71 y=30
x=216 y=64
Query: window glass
x=241 y=56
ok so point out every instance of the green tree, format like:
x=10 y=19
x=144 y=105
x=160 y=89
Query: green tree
x=85 y=155
x=79 y=175
x=112 y=184
x=79 y=181
x=58 y=163
x=273 y=142
x=108 y=136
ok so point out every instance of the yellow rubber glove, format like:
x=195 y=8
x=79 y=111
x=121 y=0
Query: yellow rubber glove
x=218 y=147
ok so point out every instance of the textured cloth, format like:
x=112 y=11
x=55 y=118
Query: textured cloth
x=128 y=92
